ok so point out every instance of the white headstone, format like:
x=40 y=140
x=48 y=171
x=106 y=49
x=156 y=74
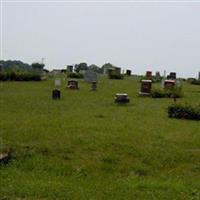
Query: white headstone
x=57 y=83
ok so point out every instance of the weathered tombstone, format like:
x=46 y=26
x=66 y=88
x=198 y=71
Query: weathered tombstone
x=57 y=82
x=90 y=76
x=145 y=87
x=169 y=84
x=56 y=94
x=69 y=68
x=122 y=98
x=149 y=74
x=172 y=75
x=73 y=84
x=94 y=86
x=128 y=72
x=158 y=77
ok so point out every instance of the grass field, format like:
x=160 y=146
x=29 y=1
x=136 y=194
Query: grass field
x=86 y=147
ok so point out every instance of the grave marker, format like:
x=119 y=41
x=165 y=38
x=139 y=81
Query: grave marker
x=172 y=75
x=69 y=68
x=145 y=87
x=57 y=82
x=122 y=98
x=169 y=84
x=128 y=72
x=73 y=84
x=149 y=74
x=94 y=86
x=56 y=94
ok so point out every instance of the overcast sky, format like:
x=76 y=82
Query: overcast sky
x=138 y=36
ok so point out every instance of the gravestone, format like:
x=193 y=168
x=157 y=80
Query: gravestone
x=158 y=77
x=73 y=84
x=149 y=74
x=169 y=84
x=122 y=98
x=128 y=72
x=69 y=68
x=199 y=76
x=56 y=94
x=57 y=82
x=172 y=75
x=94 y=86
x=90 y=76
x=145 y=87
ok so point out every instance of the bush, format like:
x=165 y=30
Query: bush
x=173 y=93
x=116 y=76
x=75 y=75
x=158 y=93
x=184 y=112
x=195 y=82
x=13 y=76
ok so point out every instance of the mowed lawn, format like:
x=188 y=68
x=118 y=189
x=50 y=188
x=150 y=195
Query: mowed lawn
x=87 y=147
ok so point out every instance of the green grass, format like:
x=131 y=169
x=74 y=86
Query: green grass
x=87 y=147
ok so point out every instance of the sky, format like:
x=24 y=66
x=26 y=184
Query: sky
x=145 y=35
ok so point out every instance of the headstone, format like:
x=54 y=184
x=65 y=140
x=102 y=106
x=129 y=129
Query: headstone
x=199 y=76
x=145 y=87
x=94 y=86
x=149 y=74
x=56 y=94
x=73 y=84
x=90 y=76
x=57 y=82
x=158 y=76
x=169 y=84
x=172 y=75
x=128 y=72
x=122 y=98
x=69 y=68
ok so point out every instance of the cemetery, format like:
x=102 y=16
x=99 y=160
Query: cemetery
x=107 y=140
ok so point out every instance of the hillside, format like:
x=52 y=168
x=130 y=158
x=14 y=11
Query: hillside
x=87 y=147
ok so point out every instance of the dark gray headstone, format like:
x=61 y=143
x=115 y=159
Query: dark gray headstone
x=56 y=94
x=128 y=72
x=94 y=86
x=69 y=68
x=172 y=75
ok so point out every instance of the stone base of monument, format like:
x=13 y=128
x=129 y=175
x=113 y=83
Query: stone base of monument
x=56 y=94
x=144 y=94
x=122 y=98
